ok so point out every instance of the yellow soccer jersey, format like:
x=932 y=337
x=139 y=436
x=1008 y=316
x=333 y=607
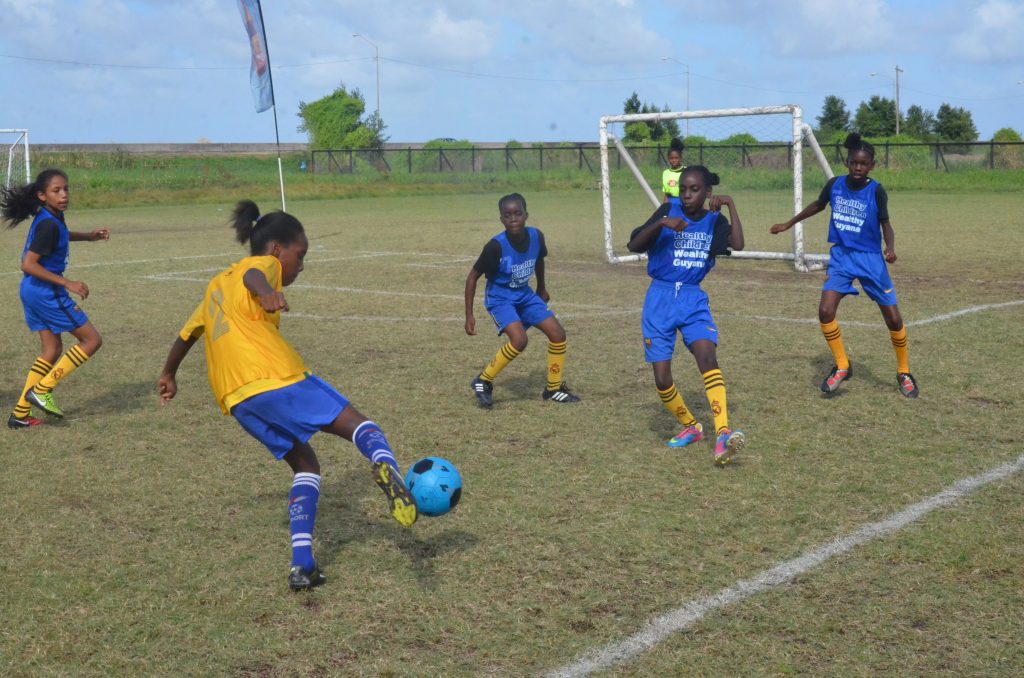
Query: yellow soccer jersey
x=670 y=181
x=245 y=352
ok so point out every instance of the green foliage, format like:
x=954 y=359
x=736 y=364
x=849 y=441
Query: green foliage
x=336 y=122
x=919 y=124
x=953 y=123
x=876 y=117
x=1006 y=134
x=834 y=116
x=650 y=131
x=1008 y=156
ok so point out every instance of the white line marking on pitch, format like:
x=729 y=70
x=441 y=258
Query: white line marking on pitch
x=963 y=311
x=660 y=628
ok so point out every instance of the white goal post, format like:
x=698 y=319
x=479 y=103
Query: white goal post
x=800 y=131
x=15 y=168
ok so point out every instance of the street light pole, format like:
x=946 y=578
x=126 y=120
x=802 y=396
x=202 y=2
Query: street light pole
x=687 y=121
x=897 y=83
x=376 y=58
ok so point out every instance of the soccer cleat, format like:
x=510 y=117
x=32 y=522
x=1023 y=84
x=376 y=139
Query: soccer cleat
x=560 y=395
x=727 y=446
x=44 y=402
x=483 y=391
x=690 y=434
x=26 y=422
x=836 y=377
x=300 y=580
x=908 y=387
x=400 y=500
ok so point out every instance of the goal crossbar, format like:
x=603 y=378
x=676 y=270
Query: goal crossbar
x=802 y=261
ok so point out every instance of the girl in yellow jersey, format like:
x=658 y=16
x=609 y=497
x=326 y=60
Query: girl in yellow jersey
x=670 y=177
x=260 y=380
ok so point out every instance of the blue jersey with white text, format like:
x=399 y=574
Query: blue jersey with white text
x=515 y=268
x=854 y=222
x=683 y=257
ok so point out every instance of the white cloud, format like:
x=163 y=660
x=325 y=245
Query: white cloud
x=993 y=32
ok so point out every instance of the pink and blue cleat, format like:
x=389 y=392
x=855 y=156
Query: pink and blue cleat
x=690 y=434
x=727 y=446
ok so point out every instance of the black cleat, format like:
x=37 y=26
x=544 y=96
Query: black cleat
x=300 y=580
x=26 y=422
x=907 y=384
x=560 y=395
x=483 y=390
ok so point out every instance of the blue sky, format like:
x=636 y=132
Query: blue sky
x=96 y=71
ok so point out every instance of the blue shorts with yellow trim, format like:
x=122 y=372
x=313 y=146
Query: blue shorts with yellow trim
x=292 y=414
x=49 y=307
x=670 y=308
x=846 y=265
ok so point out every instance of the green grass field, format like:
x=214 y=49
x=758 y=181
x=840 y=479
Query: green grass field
x=147 y=540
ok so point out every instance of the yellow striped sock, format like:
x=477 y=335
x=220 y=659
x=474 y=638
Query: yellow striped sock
x=556 y=361
x=835 y=343
x=72 y=359
x=673 y=401
x=502 y=358
x=899 y=343
x=39 y=369
x=714 y=387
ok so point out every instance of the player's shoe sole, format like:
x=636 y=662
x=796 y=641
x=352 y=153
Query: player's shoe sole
x=728 y=445
x=44 y=402
x=301 y=580
x=400 y=500
x=27 y=422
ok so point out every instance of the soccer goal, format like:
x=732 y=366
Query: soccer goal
x=15 y=169
x=768 y=139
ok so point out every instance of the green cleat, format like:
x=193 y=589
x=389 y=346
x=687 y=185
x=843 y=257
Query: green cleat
x=45 y=402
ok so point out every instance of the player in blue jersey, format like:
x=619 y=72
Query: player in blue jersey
x=856 y=229
x=509 y=260
x=49 y=308
x=681 y=242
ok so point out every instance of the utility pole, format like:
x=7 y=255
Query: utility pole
x=376 y=58
x=898 y=71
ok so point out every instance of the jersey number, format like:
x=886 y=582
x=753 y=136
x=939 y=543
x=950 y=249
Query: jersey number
x=220 y=325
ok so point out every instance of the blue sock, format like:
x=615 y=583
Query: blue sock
x=370 y=440
x=302 y=502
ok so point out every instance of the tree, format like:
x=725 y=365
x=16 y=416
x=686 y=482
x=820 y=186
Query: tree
x=336 y=122
x=834 y=116
x=876 y=117
x=955 y=124
x=648 y=131
x=919 y=123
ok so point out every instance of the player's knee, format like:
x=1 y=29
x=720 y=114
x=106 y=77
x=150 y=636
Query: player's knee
x=557 y=335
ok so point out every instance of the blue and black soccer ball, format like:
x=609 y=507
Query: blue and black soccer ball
x=435 y=484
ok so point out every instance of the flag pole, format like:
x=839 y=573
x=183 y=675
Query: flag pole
x=270 y=75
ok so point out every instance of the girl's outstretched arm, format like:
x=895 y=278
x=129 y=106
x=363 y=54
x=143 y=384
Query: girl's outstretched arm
x=808 y=211
x=98 y=234
x=270 y=299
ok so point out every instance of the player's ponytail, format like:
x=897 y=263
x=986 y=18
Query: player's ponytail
x=854 y=142
x=250 y=227
x=20 y=203
x=676 y=145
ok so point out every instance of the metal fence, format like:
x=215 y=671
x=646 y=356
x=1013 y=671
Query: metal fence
x=941 y=156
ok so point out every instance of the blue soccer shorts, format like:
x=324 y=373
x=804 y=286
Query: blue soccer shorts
x=530 y=310
x=846 y=265
x=285 y=416
x=671 y=308
x=49 y=307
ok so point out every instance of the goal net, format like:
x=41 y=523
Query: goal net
x=14 y=165
x=759 y=153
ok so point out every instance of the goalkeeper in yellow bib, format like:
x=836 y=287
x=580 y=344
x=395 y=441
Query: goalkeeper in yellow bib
x=670 y=177
x=260 y=380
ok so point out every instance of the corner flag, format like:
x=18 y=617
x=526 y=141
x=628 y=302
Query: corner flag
x=259 y=73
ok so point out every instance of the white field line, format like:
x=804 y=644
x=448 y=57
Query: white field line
x=660 y=628
x=963 y=311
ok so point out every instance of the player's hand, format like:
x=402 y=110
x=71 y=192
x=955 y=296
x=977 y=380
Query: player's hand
x=675 y=223
x=716 y=202
x=273 y=301
x=779 y=228
x=167 y=388
x=890 y=256
x=77 y=287
x=100 y=234
x=470 y=325
x=543 y=294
